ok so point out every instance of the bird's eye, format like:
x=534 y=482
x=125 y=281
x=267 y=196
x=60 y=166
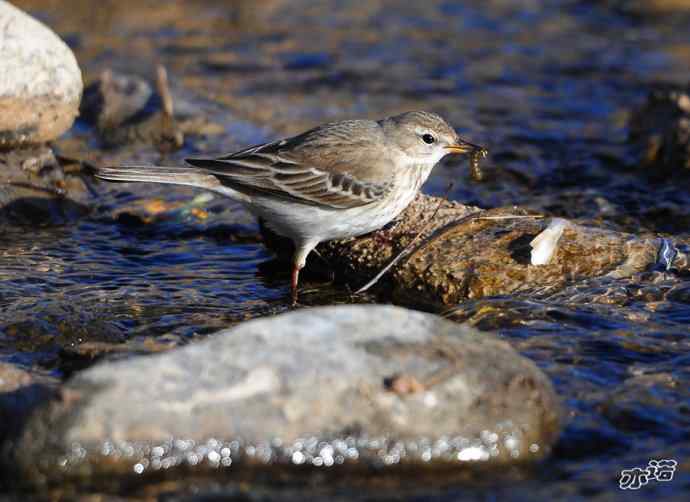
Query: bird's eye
x=428 y=139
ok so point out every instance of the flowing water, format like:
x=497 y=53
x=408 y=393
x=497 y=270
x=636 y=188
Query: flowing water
x=548 y=87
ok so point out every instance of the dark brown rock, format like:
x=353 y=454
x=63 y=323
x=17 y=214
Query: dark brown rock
x=20 y=393
x=469 y=253
x=34 y=188
x=662 y=129
x=125 y=109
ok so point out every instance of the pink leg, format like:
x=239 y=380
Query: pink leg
x=294 y=283
x=300 y=259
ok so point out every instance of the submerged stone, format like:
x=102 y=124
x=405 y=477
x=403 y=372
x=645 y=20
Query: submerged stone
x=349 y=386
x=40 y=81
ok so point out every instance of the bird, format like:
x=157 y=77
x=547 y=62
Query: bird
x=340 y=179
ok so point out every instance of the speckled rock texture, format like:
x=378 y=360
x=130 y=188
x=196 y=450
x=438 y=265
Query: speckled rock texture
x=469 y=253
x=325 y=387
x=40 y=81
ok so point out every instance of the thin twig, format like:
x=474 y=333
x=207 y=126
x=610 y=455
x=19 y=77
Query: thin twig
x=55 y=191
x=77 y=166
x=512 y=217
x=409 y=246
x=171 y=138
x=164 y=91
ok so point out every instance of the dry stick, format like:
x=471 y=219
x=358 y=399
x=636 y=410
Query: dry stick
x=171 y=136
x=164 y=91
x=58 y=192
x=407 y=248
x=512 y=217
x=82 y=166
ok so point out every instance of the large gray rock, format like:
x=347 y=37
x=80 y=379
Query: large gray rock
x=355 y=385
x=40 y=81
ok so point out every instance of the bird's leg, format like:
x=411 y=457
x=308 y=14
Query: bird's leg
x=294 y=282
x=302 y=250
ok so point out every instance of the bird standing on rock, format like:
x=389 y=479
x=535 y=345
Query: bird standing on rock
x=341 y=179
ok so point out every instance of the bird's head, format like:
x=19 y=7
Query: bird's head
x=425 y=137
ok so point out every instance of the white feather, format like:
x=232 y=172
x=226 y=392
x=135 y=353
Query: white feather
x=544 y=245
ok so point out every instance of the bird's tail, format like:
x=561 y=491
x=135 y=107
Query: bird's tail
x=156 y=174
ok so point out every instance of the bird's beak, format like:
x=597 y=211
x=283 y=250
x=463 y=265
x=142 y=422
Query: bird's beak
x=465 y=147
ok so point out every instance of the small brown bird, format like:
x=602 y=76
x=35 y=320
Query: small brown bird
x=338 y=180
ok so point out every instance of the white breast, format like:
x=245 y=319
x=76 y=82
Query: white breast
x=301 y=222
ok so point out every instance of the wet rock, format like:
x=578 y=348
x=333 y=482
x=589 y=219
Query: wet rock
x=360 y=386
x=469 y=253
x=649 y=8
x=79 y=356
x=648 y=402
x=151 y=210
x=20 y=393
x=40 y=81
x=35 y=189
x=306 y=61
x=125 y=109
x=662 y=129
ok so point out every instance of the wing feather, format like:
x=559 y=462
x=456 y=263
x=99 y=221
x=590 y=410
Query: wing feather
x=285 y=172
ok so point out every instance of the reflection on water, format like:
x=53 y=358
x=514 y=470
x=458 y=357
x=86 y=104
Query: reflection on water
x=102 y=280
x=547 y=86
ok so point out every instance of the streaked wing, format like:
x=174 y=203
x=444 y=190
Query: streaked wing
x=278 y=170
